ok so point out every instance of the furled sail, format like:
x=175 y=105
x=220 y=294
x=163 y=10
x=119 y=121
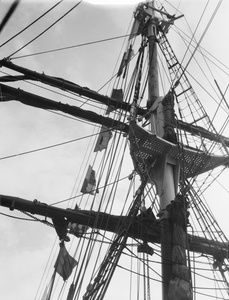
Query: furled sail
x=103 y=139
x=89 y=182
x=65 y=263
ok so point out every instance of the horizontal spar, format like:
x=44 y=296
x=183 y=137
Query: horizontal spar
x=70 y=86
x=10 y=93
x=140 y=227
x=97 y=220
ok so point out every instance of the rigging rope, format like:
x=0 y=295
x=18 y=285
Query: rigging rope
x=46 y=29
x=9 y=14
x=48 y=147
x=201 y=38
x=102 y=187
x=193 y=34
x=31 y=24
x=71 y=47
x=18 y=218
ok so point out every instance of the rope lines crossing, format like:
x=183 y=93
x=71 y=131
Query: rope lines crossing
x=3 y=44
x=49 y=147
x=46 y=29
x=202 y=37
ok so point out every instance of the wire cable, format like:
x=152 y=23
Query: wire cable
x=201 y=38
x=17 y=218
x=9 y=14
x=48 y=147
x=71 y=47
x=45 y=29
x=30 y=24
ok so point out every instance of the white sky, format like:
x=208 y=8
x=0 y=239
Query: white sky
x=49 y=176
x=112 y=2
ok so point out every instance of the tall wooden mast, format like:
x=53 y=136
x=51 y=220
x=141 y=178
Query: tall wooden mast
x=164 y=168
x=165 y=174
x=165 y=184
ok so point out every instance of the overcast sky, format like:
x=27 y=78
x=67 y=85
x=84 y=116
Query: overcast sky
x=49 y=176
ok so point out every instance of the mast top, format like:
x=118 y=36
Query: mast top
x=145 y=14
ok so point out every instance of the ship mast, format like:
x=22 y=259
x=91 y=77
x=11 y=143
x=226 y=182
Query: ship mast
x=163 y=170
x=166 y=184
x=165 y=173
